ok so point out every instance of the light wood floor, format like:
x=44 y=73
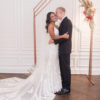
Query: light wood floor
x=81 y=89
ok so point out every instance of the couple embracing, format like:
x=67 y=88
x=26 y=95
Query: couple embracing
x=52 y=78
x=61 y=37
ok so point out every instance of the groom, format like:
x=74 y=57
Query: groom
x=64 y=50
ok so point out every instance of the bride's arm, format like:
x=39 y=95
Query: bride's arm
x=55 y=37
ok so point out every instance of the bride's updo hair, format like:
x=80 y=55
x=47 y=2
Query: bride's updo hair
x=48 y=20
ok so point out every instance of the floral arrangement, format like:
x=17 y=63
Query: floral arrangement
x=89 y=12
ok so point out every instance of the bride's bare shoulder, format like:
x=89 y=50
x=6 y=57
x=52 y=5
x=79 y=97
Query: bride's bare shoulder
x=51 y=26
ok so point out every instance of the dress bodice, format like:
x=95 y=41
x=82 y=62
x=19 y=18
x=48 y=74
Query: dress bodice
x=56 y=31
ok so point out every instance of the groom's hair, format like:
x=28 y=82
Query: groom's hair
x=62 y=9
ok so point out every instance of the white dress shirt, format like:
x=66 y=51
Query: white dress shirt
x=63 y=18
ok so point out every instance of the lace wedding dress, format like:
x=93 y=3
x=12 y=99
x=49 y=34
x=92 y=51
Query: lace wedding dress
x=44 y=81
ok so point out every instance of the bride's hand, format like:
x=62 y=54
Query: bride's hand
x=51 y=41
x=66 y=35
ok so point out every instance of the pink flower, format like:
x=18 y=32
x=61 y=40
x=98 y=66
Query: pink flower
x=84 y=12
x=90 y=17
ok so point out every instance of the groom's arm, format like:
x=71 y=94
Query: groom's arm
x=59 y=41
x=64 y=30
x=67 y=27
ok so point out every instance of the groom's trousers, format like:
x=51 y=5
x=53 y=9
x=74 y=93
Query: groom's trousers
x=64 y=61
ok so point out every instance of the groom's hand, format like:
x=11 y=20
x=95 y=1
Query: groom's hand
x=51 y=41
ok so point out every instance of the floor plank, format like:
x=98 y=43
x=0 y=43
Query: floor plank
x=81 y=89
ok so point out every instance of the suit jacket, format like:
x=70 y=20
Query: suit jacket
x=65 y=45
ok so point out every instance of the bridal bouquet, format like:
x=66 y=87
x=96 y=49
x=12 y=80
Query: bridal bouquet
x=89 y=12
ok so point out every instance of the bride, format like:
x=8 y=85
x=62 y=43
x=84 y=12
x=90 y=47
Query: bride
x=45 y=80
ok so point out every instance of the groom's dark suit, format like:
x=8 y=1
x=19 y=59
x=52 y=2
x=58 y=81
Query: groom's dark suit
x=64 y=52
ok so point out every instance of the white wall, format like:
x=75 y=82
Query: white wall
x=16 y=35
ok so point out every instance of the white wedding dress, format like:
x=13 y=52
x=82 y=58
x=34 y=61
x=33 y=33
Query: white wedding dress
x=44 y=81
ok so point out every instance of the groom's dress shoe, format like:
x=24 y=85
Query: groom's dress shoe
x=63 y=91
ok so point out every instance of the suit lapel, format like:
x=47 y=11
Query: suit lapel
x=60 y=27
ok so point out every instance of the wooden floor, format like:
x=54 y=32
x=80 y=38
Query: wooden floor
x=81 y=89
